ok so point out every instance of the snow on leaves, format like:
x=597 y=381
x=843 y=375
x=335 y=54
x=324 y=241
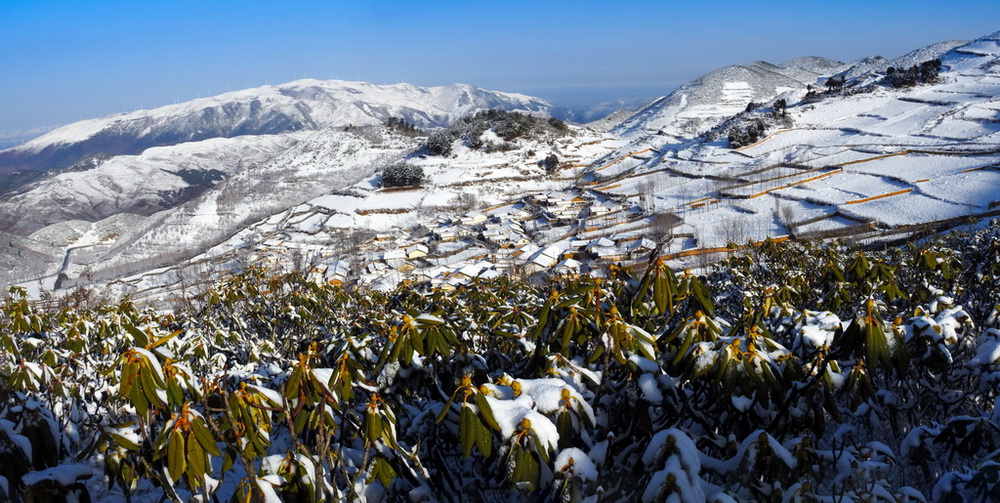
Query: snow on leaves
x=751 y=383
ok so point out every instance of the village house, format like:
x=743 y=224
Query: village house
x=567 y=267
x=543 y=259
x=417 y=250
x=338 y=272
x=525 y=251
x=473 y=218
x=447 y=234
x=641 y=246
x=394 y=257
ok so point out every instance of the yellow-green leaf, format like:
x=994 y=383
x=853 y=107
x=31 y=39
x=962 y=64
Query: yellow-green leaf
x=204 y=437
x=176 y=456
x=466 y=430
x=486 y=412
x=196 y=463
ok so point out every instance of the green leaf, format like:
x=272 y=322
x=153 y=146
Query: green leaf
x=373 y=427
x=196 y=463
x=204 y=437
x=702 y=295
x=514 y=460
x=384 y=471
x=164 y=339
x=176 y=456
x=124 y=441
x=141 y=339
x=130 y=372
x=149 y=388
x=300 y=422
x=486 y=412
x=174 y=392
x=447 y=407
x=467 y=430
x=564 y=425
x=229 y=459
x=484 y=440
x=139 y=400
x=526 y=469
x=294 y=382
x=542 y=450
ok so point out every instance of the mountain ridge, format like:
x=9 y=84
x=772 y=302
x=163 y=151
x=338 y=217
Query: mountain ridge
x=698 y=105
x=303 y=104
x=869 y=160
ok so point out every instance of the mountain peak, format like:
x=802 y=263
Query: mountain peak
x=292 y=106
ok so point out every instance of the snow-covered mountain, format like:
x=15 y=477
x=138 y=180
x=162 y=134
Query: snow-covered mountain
x=301 y=105
x=875 y=66
x=148 y=161
x=871 y=161
x=702 y=103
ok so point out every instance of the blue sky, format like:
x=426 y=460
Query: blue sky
x=62 y=61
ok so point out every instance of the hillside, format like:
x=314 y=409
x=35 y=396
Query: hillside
x=864 y=160
x=300 y=105
x=697 y=106
x=193 y=193
x=868 y=163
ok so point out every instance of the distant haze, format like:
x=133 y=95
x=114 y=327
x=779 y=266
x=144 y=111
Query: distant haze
x=586 y=96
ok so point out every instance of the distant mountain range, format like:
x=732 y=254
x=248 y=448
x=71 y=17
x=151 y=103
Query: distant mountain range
x=14 y=139
x=288 y=174
x=295 y=106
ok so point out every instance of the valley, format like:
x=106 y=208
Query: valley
x=873 y=164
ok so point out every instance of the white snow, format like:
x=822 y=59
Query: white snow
x=650 y=388
x=575 y=462
x=19 y=440
x=855 y=166
x=63 y=475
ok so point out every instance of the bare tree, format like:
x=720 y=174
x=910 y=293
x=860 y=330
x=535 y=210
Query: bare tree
x=734 y=230
x=646 y=189
x=662 y=226
x=786 y=215
x=465 y=201
x=358 y=237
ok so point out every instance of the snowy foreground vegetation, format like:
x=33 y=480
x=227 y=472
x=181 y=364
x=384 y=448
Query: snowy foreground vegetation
x=791 y=372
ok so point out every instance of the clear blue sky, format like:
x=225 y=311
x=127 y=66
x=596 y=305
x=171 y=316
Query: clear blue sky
x=61 y=61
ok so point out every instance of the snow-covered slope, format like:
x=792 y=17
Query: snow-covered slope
x=871 y=162
x=704 y=102
x=259 y=176
x=304 y=104
x=871 y=68
x=877 y=165
x=143 y=184
x=206 y=140
x=917 y=56
x=867 y=163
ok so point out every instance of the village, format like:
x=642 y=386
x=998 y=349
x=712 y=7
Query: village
x=563 y=232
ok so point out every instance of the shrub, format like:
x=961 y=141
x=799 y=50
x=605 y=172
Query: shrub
x=401 y=175
x=550 y=163
x=925 y=73
x=746 y=133
x=794 y=372
x=509 y=126
x=402 y=126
